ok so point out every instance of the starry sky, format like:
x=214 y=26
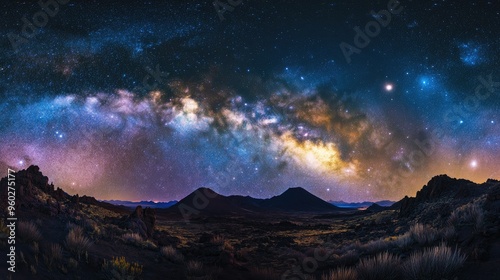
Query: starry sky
x=352 y=100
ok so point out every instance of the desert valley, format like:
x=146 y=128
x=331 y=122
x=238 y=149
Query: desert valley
x=449 y=230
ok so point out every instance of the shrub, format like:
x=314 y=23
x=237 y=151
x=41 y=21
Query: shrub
x=468 y=214
x=433 y=264
x=341 y=273
x=423 y=234
x=171 y=254
x=119 y=268
x=383 y=266
x=76 y=242
x=28 y=231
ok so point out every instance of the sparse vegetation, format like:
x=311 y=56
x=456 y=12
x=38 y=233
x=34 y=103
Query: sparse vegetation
x=76 y=242
x=28 y=231
x=118 y=268
x=222 y=242
x=435 y=263
x=383 y=266
x=132 y=238
x=263 y=273
x=136 y=240
x=171 y=254
x=341 y=273
x=469 y=214
x=375 y=246
x=423 y=234
x=53 y=255
x=448 y=233
x=404 y=241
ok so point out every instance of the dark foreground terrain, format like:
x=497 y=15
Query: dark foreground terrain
x=450 y=230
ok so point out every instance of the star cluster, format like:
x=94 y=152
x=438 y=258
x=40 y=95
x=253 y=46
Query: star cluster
x=152 y=100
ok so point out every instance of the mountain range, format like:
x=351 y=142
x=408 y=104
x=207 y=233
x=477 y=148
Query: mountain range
x=364 y=204
x=133 y=204
x=292 y=200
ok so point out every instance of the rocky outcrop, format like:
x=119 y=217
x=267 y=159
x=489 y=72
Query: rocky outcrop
x=142 y=221
x=443 y=188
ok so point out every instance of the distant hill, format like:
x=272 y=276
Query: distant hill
x=207 y=201
x=365 y=204
x=298 y=199
x=150 y=204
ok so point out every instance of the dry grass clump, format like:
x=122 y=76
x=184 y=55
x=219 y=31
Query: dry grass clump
x=132 y=238
x=221 y=241
x=423 y=234
x=341 y=273
x=137 y=240
x=404 y=241
x=435 y=263
x=468 y=214
x=375 y=246
x=383 y=266
x=53 y=255
x=76 y=242
x=28 y=231
x=171 y=254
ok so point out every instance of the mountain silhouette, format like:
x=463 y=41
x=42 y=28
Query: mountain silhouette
x=298 y=199
x=207 y=201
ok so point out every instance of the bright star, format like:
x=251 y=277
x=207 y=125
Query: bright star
x=473 y=164
x=389 y=87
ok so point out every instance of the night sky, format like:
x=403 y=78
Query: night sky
x=154 y=99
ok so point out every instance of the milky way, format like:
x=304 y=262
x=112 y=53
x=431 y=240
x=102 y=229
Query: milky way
x=153 y=100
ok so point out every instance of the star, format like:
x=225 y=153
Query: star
x=389 y=87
